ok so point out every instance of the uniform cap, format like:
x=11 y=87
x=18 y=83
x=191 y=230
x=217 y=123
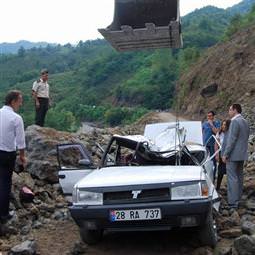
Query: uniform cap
x=44 y=71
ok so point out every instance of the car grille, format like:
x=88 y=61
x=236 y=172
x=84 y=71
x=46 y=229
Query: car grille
x=130 y=196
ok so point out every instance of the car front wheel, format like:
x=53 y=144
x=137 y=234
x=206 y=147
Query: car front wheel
x=208 y=232
x=91 y=236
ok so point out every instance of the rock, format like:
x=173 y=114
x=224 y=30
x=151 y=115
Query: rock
x=78 y=249
x=46 y=207
x=229 y=221
x=235 y=218
x=231 y=233
x=57 y=187
x=223 y=251
x=245 y=245
x=250 y=204
x=41 y=147
x=37 y=224
x=247 y=217
x=25 y=230
x=25 y=248
x=224 y=213
x=61 y=215
x=203 y=251
x=23 y=179
x=248 y=228
x=209 y=91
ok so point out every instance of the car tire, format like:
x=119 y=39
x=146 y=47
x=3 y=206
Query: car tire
x=91 y=236
x=208 y=232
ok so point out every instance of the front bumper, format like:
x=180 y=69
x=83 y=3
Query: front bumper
x=172 y=212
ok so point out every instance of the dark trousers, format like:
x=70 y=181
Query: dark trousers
x=7 y=164
x=41 y=111
x=235 y=182
x=221 y=172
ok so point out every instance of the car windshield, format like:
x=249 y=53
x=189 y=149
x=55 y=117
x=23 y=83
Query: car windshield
x=166 y=149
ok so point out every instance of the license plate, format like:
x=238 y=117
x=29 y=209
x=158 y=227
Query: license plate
x=137 y=214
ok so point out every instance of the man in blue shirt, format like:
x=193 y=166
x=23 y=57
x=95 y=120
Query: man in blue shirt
x=210 y=127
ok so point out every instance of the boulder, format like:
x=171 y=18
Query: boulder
x=245 y=245
x=41 y=151
x=248 y=228
x=26 y=248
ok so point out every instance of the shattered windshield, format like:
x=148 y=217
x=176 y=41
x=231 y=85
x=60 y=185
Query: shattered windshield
x=167 y=147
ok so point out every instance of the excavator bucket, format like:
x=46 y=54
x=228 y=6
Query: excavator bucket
x=144 y=24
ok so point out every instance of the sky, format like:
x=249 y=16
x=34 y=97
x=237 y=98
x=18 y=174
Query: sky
x=68 y=21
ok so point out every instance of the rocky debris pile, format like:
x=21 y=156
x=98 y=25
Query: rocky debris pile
x=42 y=154
x=41 y=176
x=49 y=207
x=236 y=228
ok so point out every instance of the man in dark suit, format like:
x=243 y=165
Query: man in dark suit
x=235 y=153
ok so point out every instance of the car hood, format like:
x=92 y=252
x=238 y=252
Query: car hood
x=135 y=175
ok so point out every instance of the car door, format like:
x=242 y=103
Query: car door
x=75 y=163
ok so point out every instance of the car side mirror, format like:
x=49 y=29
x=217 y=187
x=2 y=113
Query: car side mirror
x=84 y=162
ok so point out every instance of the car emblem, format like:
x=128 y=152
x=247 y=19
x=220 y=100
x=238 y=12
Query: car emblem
x=136 y=193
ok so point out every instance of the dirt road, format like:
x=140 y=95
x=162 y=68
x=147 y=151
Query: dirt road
x=167 y=117
x=61 y=238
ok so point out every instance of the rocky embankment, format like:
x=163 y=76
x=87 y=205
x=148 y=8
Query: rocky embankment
x=44 y=226
x=227 y=68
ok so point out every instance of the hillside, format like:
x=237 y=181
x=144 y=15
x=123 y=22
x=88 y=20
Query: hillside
x=229 y=65
x=204 y=27
x=13 y=48
x=242 y=7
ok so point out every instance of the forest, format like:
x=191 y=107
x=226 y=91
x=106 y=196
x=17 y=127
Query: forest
x=92 y=82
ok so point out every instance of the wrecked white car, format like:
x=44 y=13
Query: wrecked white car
x=158 y=181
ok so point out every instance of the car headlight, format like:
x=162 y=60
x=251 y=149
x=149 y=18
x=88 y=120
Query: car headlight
x=86 y=197
x=190 y=191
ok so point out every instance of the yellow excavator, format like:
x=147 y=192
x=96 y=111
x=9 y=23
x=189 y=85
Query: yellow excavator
x=144 y=24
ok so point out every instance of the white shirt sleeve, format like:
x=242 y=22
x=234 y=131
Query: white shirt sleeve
x=35 y=86
x=20 y=133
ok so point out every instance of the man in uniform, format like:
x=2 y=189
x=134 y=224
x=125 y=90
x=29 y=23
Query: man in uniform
x=12 y=137
x=40 y=93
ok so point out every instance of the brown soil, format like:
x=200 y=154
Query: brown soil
x=61 y=239
x=57 y=240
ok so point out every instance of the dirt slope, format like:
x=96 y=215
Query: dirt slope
x=230 y=65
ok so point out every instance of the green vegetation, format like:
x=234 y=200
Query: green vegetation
x=92 y=82
x=205 y=27
x=239 y=22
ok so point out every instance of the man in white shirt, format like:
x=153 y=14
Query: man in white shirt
x=40 y=93
x=12 y=138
